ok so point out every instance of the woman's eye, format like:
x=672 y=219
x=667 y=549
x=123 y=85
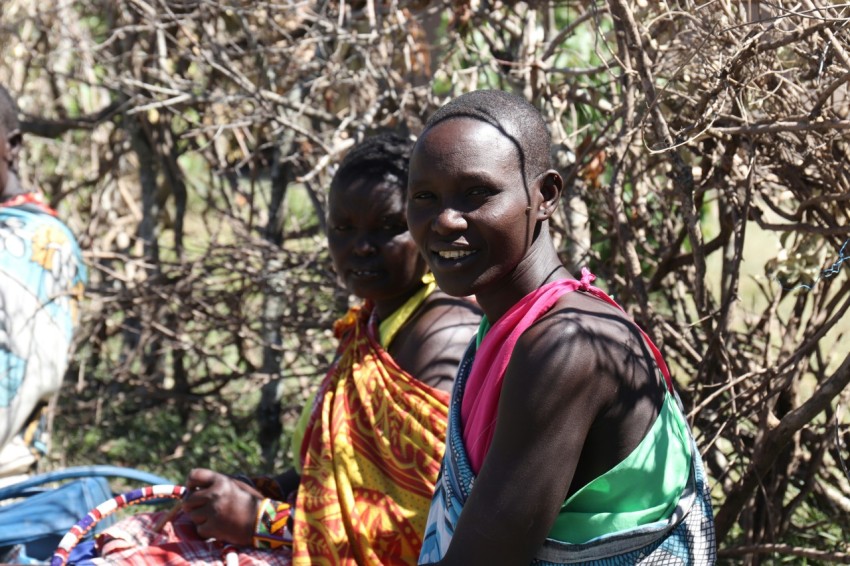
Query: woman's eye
x=480 y=191
x=422 y=195
x=340 y=227
x=395 y=227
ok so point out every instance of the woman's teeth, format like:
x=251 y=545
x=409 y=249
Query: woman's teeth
x=454 y=254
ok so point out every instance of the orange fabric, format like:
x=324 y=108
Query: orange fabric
x=370 y=457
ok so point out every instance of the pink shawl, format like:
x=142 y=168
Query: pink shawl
x=484 y=386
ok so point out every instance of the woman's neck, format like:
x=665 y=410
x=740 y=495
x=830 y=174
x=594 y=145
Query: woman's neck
x=540 y=266
x=386 y=307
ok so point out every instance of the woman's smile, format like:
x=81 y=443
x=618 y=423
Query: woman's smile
x=365 y=273
x=449 y=260
x=454 y=254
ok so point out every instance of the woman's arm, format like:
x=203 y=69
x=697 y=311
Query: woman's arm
x=548 y=403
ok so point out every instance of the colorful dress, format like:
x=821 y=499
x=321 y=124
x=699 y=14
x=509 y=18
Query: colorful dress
x=668 y=520
x=370 y=457
x=42 y=277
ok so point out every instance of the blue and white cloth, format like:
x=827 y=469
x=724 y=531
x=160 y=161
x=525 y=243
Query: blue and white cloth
x=42 y=277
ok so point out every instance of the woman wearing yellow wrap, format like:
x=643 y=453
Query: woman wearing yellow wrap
x=373 y=436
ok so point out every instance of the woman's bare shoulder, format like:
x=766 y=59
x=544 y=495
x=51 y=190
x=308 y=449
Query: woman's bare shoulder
x=433 y=343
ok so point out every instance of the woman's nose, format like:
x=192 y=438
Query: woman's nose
x=449 y=220
x=363 y=245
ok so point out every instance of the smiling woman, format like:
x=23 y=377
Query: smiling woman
x=469 y=211
x=369 y=444
x=566 y=443
x=377 y=260
x=372 y=251
x=371 y=248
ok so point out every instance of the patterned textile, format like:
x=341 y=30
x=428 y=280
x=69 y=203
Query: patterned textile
x=371 y=456
x=271 y=528
x=42 y=276
x=685 y=538
x=149 y=538
x=388 y=329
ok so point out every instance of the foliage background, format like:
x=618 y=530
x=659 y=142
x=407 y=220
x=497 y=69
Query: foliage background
x=705 y=146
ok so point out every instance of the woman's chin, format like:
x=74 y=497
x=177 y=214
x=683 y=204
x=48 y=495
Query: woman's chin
x=453 y=287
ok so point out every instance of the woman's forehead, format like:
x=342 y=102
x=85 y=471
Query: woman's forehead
x=464 y=134
x=463 y=146
x=363 y=193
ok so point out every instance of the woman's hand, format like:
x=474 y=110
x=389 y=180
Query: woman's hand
x=221 y=507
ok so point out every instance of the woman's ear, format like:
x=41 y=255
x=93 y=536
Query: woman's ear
x=551 y=186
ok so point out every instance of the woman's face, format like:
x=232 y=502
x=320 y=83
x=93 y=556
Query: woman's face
x=370 y=245
x=468 y=205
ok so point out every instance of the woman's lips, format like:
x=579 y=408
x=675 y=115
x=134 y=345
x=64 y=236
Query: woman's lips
x=448 y=259
x=364 y=273
x=455 y=254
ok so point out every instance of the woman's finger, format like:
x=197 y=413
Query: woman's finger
x=200 y=477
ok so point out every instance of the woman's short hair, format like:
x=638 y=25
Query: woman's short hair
x=513 y=116
x=384 y=157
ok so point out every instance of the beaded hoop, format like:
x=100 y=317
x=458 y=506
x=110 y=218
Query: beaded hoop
x=87 y=523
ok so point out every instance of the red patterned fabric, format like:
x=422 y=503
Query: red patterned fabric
x=371 y=457
x=147 y=538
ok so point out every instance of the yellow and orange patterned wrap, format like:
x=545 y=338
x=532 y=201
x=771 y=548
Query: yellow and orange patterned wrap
x=370 y=457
